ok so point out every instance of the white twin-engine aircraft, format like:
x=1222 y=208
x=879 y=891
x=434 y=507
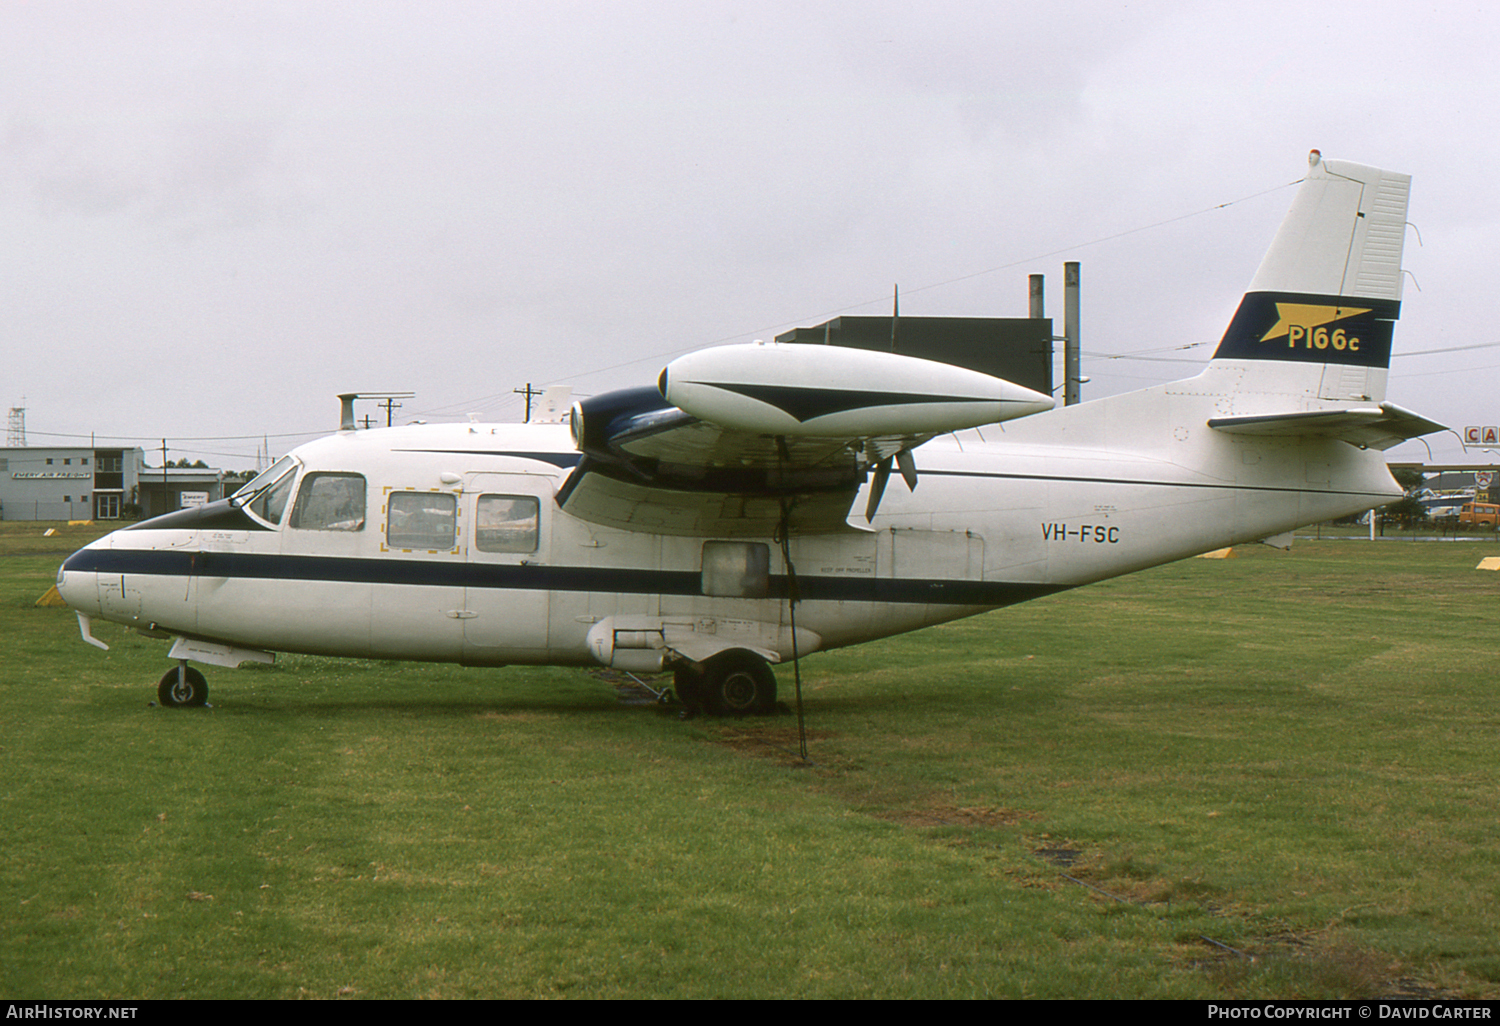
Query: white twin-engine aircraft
x=735 y=516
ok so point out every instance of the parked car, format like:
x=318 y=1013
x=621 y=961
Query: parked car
x=1479 y=514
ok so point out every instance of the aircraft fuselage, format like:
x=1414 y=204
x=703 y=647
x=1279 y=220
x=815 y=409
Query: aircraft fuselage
x=429 y=573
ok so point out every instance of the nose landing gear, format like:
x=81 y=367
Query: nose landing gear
x=182 y=686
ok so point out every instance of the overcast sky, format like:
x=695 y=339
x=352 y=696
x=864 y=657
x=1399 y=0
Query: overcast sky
x=219 y=215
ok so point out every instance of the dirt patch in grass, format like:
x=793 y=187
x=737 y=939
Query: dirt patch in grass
x=509 y=715
x=1301 y=965
x=1064 y=857
x=781 y=743
x=632 y=688
x=936 y=812
x=842 y=777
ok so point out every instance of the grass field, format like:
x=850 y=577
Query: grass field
x=1269 y=776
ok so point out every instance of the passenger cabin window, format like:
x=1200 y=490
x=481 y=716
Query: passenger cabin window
x=506 y=523
x=736 y=569
x=330 y=502
x=421 y=520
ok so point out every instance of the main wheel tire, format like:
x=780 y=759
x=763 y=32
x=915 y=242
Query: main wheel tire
x=738 y=684
x=182 y=686
x=688 y=684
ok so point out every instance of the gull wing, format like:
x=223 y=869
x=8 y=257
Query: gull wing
x=738 y=440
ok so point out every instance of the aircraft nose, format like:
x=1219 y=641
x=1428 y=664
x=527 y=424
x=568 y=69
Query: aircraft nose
x=78 y=579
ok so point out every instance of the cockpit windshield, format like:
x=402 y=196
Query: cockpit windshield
x=264 y=478
x=267 y=493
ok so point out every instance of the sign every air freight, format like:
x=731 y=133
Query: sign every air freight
x=1486 y=435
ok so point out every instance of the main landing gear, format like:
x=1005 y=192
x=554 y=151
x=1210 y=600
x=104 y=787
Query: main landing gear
x=734 y=683
x=182 y=686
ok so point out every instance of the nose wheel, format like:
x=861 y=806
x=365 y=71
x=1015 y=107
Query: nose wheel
x=182 y=686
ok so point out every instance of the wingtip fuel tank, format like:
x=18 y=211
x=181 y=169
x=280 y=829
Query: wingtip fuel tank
x=794 y=389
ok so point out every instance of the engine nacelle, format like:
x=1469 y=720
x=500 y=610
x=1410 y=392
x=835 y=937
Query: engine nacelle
x=796 y=389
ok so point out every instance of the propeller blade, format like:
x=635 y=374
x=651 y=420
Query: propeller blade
x=877 y=488
x=908 y=467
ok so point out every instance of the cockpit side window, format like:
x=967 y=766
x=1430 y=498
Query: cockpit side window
x=330 y=502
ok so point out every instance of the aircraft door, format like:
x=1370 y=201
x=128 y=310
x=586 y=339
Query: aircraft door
x=509 y=568
x=417 y=613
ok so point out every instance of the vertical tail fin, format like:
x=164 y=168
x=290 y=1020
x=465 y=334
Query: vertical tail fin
x=1318 y=318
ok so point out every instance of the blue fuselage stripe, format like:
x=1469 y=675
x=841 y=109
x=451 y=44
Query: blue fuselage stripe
x=532 y=577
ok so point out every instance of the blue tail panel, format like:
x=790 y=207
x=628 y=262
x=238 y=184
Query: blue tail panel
x=1304 y=328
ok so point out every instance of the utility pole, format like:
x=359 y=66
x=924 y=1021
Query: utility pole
x=1072 y=377
x=528 y=392
x=895 y=313
x=391 y=406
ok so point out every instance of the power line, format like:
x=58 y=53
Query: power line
x=766 y=329
x=1449 y=349
x=185 y=438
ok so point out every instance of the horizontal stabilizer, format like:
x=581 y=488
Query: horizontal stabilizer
x=1369 y=427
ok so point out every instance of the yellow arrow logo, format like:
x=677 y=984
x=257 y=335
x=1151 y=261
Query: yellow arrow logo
x=1307 y=316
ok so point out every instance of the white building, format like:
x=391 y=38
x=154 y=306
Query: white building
x=90 y=483
x=69 y=482
x=179 y=487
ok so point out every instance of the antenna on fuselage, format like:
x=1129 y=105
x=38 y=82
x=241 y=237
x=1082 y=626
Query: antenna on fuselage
x=346 y=405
